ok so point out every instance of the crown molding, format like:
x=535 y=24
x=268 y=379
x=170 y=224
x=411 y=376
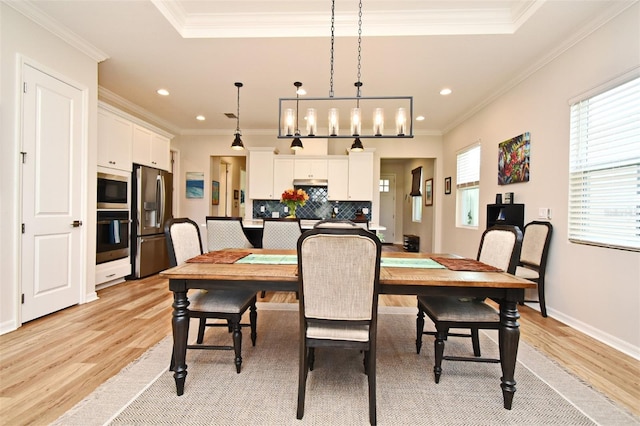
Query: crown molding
x=119 y=102
x=36 y=14
x=577 y=37
x=504 y=20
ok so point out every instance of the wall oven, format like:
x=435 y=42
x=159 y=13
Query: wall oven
x=113 y=191
x=112 y=239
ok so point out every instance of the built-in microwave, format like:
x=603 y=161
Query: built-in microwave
x=113 y=191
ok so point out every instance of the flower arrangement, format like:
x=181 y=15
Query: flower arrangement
x=293 y=198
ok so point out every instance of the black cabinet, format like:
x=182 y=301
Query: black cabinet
x=505 y=214
x=411 y=243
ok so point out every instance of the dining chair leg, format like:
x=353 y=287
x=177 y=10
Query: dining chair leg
x=371 y=373
x=237 y=343
x=303 y=368
x=201 y=327
x=475 y=341
x=312 y=358
x=419 y=329
x=543 y=305
x=253 y=320
x=438 y=346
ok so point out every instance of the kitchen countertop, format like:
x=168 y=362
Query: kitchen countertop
x=304 y=223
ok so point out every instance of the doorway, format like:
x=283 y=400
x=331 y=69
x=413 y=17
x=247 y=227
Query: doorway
x=52 y=193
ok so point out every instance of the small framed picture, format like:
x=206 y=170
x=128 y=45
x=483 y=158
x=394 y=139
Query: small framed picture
x=428 y=192
x=236 y=194
x=447 y=185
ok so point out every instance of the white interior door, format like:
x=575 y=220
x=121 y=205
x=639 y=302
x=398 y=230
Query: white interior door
x=51 y=193
x=388 y=207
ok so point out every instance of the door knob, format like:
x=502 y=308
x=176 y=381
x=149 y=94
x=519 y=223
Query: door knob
x=76 y=223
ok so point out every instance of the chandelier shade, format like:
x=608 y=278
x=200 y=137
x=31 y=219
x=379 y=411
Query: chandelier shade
x=340 y=109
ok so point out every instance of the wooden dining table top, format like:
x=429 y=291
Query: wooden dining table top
x=389 y=276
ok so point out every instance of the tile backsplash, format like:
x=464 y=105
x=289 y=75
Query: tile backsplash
x=317 y=207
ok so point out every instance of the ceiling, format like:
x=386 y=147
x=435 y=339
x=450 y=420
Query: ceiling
x=198 y=49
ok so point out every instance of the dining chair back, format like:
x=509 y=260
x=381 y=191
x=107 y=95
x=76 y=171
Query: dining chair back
x=335 y=223
x=533 y=257
x=339 y=280
x=224 y=232
x=183 y=243
x=499 y=247
x=281 y=233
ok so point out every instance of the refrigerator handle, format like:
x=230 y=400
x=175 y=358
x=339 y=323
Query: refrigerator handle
x=159 y=200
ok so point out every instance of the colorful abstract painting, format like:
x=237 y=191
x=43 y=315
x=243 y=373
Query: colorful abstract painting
x=513 y=160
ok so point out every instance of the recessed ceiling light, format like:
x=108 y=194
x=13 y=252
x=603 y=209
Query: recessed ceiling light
x=200 y=118
x=420 y=118
x=163 y=92
x=445 y=92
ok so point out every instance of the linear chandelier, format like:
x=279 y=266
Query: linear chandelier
x=366 y=114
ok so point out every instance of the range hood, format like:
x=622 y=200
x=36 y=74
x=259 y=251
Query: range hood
x=310 y=182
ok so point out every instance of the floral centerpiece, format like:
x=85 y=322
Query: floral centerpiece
x=293 y=198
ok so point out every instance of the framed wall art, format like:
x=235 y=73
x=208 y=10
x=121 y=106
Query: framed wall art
x=195 y=185
x=215 y=193
x=513 y=160
x=428 y=192
x=447 y=185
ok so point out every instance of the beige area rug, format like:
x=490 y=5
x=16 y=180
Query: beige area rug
x=265 y=392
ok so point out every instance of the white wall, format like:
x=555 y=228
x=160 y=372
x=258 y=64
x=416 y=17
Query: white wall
x=22 y=38
x=595 y=290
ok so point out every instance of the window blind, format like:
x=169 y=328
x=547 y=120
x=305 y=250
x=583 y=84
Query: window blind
x=468 y=167
x=604 y=169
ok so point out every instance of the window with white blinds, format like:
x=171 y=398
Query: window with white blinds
x=468 y=186
x=604 y=170
x=468 y=167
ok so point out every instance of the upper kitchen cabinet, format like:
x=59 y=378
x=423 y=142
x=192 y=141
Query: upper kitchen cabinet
x=261 y=174
x=338 y=179
x=310 y=168
x=282 y=174
x=151 y=149
x=115 y=137
x=361 y=176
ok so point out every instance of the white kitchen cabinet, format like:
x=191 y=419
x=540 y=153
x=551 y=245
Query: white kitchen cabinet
x=338 y=177
x=361 y=176
x=115 y=138
x=150 y=148
x=261 y=174
x=310 y=168
x=113 y=272
x=282 y=175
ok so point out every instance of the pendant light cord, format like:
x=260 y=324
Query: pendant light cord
x=333 y=11
x=359 y=84
x=238 y=85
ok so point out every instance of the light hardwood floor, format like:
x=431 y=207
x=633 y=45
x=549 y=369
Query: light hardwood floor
x=50 y=364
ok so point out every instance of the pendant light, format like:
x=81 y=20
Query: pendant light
x=367 y=114
x=296 y=143
x=237 y=142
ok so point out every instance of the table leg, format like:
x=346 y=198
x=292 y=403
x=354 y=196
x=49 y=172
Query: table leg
x=508 y=340
x=180 y=325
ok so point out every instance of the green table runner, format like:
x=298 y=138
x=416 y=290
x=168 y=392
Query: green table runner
x=270 y=259
x=292 y=259
x=398 y=262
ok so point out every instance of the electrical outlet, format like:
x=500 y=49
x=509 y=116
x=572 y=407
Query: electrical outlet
x=262 y=209
x=286 y=209
x=365 y=210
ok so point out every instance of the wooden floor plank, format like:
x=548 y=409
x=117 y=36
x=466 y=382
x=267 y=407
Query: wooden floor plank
x=51 y=363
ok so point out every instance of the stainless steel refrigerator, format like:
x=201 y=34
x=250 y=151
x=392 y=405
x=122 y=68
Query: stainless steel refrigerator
x=151 y=194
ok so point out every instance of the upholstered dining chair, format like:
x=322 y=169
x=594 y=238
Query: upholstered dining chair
x=280 y=234
x=533 y=257
x=183 y=243
x=499 y=247
x=225 y=232
x=338 y=299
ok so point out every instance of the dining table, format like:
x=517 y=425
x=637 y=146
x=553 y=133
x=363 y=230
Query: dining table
x=401 y=273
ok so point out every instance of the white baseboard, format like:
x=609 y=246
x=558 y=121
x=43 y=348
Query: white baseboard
x=8 y=326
